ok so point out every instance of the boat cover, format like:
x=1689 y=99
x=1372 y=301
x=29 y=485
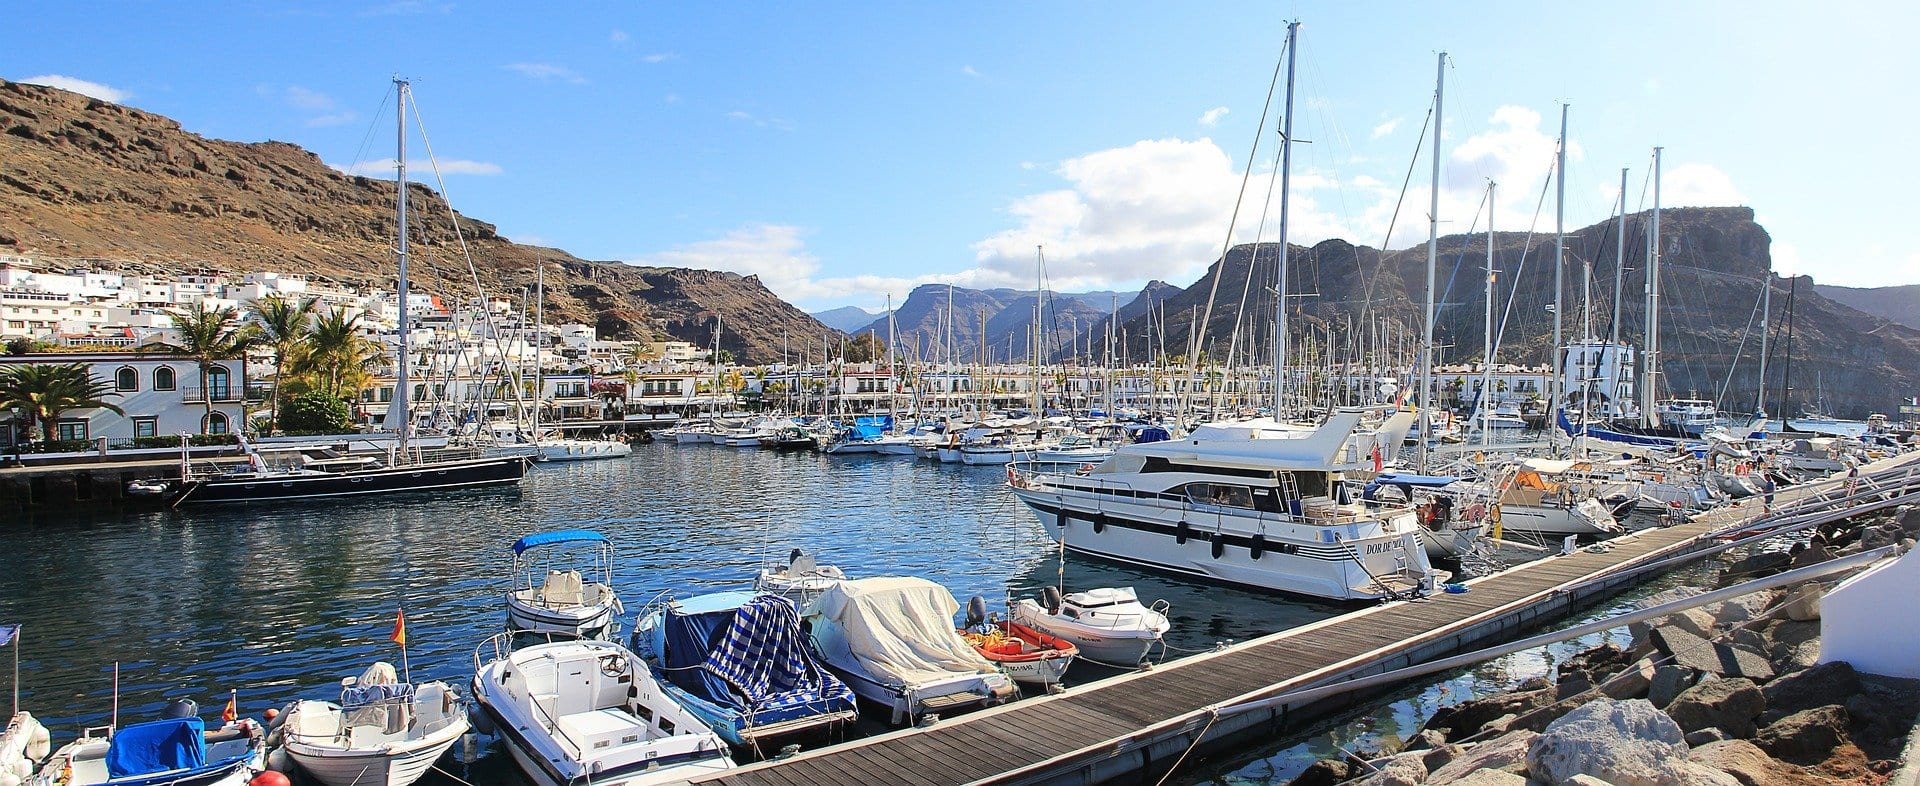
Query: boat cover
x=755 y=657
x=899 y=630
x=157 y=746
x=557 y=536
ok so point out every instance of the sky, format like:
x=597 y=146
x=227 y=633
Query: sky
x=844 y=152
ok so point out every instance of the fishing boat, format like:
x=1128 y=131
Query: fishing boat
x=1109 y=625
x=383 y=732
x=1253 y=503
x=563 y=602
x=892 y=641
x=800 y=578
x=740 y=661
x=583 y=713
x=1029 y=656
x=176 y=750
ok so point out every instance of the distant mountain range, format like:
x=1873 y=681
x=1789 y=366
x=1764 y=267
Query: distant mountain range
x=996 y=325
x=1899 y=303
x=845 y=319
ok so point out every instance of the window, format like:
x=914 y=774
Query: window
x=73 y=430
x=146 y=427
x=126 y=379
x=215 y=423
x=218 y=387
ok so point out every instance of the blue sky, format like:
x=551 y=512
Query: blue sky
x=842 y=151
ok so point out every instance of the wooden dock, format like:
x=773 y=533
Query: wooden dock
x=1143 y=722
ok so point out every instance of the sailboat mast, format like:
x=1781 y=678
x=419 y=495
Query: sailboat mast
x=1039 y=289
x=539 y=345
x=1486 y=335
x=403 y=392
x=1556 y=402
x=1286 y=182
x=1648 y=384
x=1619 y=277
x=1433 y=266
x=1766 y=306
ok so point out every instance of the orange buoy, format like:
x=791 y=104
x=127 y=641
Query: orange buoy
x=269 y=778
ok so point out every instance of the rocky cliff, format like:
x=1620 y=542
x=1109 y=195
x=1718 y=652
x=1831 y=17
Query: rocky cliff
x=83 y=178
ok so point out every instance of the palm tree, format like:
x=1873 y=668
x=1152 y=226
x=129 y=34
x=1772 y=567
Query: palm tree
x=210 y=335
x=44 y=391
x=284 y=324
x=337 y=355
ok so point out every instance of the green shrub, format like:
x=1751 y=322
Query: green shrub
x=315 y=413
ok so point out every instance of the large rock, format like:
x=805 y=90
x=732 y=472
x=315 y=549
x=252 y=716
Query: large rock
x=1507 y=752
x=1467 y=717
x=1487 y=778
x=1807 y=737
x=1626 y=743
x=1406 y=769
x=1668 y=681
x=1729 y=705
x=1757 y=564
x=1827 y=683
x=1741 y=609
x=1325 y=772
x=1633 y=682
x=1750 y=765
x=1695 y=652
x=1640 y=629
x=1803 y=602
x=1880 y=535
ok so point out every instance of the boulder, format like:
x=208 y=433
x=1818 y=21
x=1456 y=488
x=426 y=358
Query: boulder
x=1706 y=736
x=1406 y=769
x=1623 y=742
x=1632 y=682
x=1803 y=602
x=1747 y=763
x=1729 y=705
x=1486 y=778
x=1757 y=564
x=1880 y=535
x=1908 y=518
x=1586 y=780
x=1640 y=629
x=1425 y=739
x=1807 y=737
x=1592 y=664
x=1507 y=752
x=1741 y=609
x=1325 y=772
x=1668 y=681
x=1811 y=556
x=1467 y=717
x=1699 y=654
x=1827 y=683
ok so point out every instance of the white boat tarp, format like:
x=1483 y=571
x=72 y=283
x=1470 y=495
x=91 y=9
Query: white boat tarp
x=899 y=629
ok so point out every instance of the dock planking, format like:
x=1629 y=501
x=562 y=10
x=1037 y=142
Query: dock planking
x=1016 y=741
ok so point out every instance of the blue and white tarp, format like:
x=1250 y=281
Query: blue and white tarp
x=761 y=661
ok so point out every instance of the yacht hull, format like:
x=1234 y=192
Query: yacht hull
x=501 y=470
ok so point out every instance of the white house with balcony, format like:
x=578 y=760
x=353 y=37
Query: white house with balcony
x=162 y=395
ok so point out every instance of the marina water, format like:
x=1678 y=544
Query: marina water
x=279 y=602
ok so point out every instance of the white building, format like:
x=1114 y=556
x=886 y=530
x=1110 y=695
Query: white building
x=162 y=395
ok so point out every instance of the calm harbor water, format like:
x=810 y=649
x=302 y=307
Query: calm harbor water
x=280 y=602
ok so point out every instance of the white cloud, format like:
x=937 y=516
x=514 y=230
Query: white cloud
x=969 y=71
x=761 y=122
x=304 y=98
x=1212 y=116
x=617 y=36
x=777 y=254
x=547 y=72
x=660 y=57
x=81 y=86
x=321 y=104
x=335 y=119
x=671 y=98
x=419 y=168
x=1386 y=128
x=1698 y=185
x=1787 y=260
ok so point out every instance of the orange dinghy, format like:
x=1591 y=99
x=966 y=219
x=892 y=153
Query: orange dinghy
x=1029 y=656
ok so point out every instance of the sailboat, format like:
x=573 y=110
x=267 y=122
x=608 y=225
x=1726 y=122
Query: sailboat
x=404 y=470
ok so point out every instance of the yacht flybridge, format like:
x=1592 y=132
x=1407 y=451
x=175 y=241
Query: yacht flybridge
x=1255 y=503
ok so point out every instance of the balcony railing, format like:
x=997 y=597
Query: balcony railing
x=221 y=394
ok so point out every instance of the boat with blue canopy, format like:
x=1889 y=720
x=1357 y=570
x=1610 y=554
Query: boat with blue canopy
x=563 y=584
x=173 y=751
x=740 y=661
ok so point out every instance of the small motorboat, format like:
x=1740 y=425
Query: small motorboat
x=1027 y=655
x=583 y=713
x=800 y=580
x=382 y=733
x=149 y=488
x=1108 y=625
x=563 y=601
x=740 y=661
x=176 y=750
x=892 y=641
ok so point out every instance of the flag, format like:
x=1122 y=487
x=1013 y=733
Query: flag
x=232 y=712
x=400 y=629
x=7 y=632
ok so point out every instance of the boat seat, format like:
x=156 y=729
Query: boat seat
x=599 y=730
x=563 y=588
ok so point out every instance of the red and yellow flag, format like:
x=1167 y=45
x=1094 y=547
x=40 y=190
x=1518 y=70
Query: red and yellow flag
x=400 y=629
x=232 y=712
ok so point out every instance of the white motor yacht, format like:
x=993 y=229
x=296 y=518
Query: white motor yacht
x=1109 y=624
x=586 y=713
x=1254 y=503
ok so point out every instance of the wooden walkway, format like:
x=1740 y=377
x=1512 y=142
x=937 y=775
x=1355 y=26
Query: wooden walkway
x=1064 y=737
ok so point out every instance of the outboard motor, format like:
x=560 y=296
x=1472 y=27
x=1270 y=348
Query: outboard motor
x=976 y=612
x=180 y=708
x=794 y=557
x=1050 y=598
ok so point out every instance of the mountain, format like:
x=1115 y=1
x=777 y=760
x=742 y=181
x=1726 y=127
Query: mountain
x=994 y=325
x=1900 y=304
x=1714 y=260
x=846 y=319
x=84 y=178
